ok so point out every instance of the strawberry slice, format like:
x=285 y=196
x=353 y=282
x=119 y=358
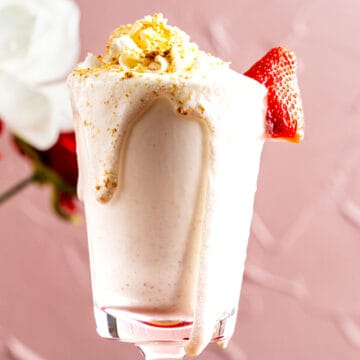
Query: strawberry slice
x=284 y=116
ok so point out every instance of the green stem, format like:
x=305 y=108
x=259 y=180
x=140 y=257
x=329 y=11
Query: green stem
x=16 y=188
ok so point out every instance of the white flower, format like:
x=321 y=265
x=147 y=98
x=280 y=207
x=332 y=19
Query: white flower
x=39 y=45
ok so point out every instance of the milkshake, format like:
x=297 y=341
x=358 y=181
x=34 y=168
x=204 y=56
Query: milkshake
x=169 y=142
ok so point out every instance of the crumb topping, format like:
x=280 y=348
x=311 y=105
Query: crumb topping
x=149 y=45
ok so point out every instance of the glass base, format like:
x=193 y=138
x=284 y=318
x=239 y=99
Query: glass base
x=157 y=339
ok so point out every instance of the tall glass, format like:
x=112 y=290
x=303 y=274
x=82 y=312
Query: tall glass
x=167 y=241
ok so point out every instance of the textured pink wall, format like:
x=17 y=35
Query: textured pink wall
x=301 y=292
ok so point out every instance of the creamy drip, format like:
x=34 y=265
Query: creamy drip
x=107 y=106
x=134 y=101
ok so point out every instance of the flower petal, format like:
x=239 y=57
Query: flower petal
x=61 y=113
x=53 y=47
x=17 y=25
x=27 y=112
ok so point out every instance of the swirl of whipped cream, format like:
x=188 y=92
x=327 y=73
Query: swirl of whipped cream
x=150 y=45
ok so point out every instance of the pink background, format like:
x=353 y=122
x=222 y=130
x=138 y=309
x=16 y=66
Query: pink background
x=301 y=291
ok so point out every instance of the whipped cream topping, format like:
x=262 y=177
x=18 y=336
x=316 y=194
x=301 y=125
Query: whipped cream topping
x=149 y=45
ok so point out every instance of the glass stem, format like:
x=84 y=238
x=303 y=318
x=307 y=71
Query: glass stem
x=162 y=350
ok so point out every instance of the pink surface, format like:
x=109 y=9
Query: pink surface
x=301 y=292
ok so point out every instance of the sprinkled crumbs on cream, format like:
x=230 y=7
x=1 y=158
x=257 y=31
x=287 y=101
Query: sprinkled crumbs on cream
x=149 y=45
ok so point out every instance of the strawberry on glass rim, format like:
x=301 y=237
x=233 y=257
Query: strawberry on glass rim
x=284 y=116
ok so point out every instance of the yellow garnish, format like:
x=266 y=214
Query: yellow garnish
x=150 y=45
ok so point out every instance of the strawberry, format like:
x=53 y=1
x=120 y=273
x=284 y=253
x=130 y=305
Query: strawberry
x=284 y=116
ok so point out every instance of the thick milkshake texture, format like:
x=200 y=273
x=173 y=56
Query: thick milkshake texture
x=169 y=146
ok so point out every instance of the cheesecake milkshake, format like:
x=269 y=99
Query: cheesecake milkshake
x=169 y=140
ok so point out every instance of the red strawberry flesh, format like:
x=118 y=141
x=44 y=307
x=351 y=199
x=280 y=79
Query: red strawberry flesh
x=284 y=116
